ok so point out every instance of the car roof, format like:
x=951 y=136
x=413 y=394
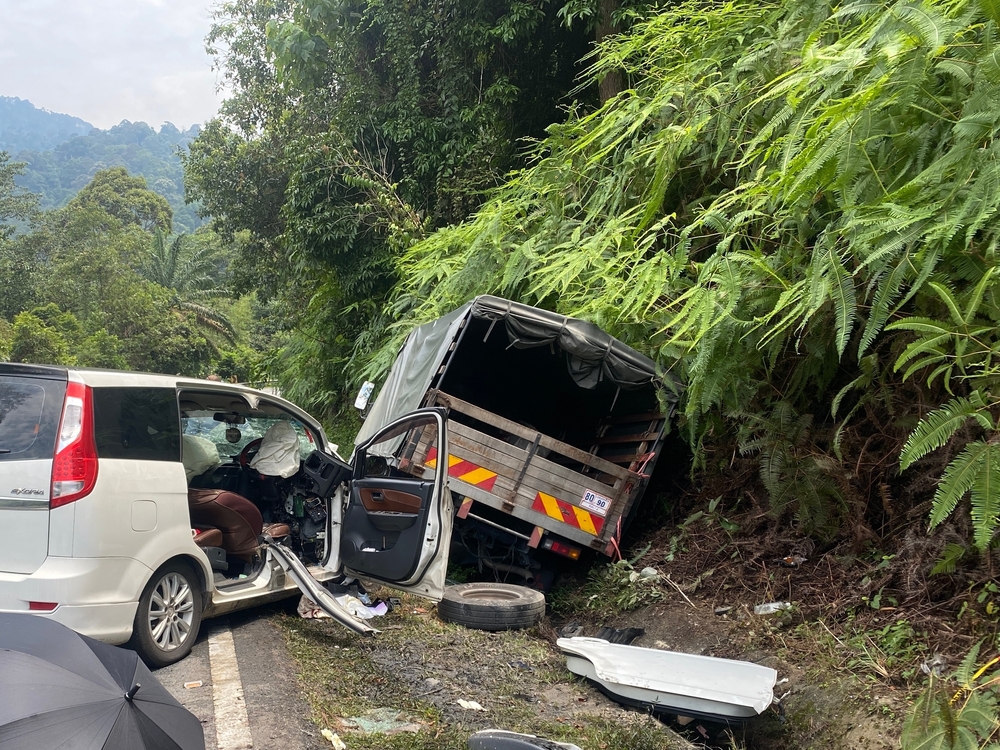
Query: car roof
x=100 y=377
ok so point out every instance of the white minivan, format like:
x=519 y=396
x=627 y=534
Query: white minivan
x=134 y=504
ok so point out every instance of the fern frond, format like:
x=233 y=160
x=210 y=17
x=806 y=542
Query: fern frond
x=961 y=474
x=967 y=667
x=986 y=498
x=937 y=428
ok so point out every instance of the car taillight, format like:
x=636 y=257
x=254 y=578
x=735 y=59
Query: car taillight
x=74 y=466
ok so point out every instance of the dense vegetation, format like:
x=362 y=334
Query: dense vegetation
x=792 y=206
x=97 y=284
x=57 y=174
x=353 y=131
x=24 y=127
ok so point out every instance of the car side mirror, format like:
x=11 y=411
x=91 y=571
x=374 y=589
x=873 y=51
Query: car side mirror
x=361 y=402
x=376 y=466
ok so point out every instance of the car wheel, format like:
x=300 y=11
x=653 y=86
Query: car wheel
x=492 y=606
x=169 y=615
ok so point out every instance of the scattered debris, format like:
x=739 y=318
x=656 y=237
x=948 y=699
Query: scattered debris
x=309 y=610
x=381 y=721
x=470 y=705
x=679 y=591
x=793 y=561
x=488 y=739
x=523 y=665
x=334 y=739
x=724 y=610
x=771 y=607
x=669 y=682
x=649 y=574
x=192 y=685
x=624 y=636
x=936 y=666
x=571 y=630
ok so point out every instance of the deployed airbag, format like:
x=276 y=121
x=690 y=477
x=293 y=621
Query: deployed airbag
x=279 y=452
x=200 y=455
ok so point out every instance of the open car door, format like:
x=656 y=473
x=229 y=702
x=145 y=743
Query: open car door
x=397 y=525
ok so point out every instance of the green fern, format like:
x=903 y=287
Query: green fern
x=940 y=425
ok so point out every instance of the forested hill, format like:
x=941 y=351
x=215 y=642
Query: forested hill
x=57 y=174
x=23 y=126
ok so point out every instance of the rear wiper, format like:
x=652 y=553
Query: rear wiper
x=4 y=450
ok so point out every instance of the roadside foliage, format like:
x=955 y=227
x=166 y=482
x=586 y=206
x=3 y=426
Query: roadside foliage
x=793 y=206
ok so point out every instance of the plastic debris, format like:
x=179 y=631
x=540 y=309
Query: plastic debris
x=649 y=574
x=381 y=721
x=309 y=610
x=793 y=561
x=771 y=607
x=624 y=636
x=570 y=630
x=724 y=610
x=334 y=739
x=487 y=739
x=470 y=705
x=192 y=685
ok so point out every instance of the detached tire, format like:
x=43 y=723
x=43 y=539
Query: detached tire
x=492 y=606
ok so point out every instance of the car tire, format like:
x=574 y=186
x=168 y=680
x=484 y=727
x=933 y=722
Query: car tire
x=169 y=615
x=492 y=606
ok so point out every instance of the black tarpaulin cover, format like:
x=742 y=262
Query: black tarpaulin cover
x=592 y=355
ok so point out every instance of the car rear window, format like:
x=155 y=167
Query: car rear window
x=142 y=424
x=29 y=416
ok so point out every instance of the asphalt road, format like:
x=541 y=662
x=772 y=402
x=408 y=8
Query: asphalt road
x=249 y=695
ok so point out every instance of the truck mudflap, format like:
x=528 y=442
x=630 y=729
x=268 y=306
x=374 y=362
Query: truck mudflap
x=312 y=588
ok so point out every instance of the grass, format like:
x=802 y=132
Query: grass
x=421 y=666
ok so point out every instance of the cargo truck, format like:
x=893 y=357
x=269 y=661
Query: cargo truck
x=554 y=429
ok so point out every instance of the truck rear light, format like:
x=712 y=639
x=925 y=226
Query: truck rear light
x=560 y=548
x=74 y=466
x=42 y=606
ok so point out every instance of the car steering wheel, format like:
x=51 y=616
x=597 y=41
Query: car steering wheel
x=248 y=453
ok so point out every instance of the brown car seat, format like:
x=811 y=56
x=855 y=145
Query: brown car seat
x=208 y=537
x=237 y=518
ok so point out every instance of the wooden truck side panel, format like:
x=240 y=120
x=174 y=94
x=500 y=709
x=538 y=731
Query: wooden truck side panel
x=582 y=501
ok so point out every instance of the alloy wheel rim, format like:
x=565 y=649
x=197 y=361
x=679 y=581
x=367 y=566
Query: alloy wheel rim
x=171 y=612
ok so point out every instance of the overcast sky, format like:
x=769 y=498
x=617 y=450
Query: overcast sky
x=110 y=60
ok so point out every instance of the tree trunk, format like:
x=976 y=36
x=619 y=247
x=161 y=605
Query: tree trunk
x=613 y=81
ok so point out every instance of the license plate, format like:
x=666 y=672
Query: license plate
x=595 y=503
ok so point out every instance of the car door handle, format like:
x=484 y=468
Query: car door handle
x=378 y=497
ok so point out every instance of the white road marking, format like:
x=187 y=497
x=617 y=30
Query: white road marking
x=232 y=725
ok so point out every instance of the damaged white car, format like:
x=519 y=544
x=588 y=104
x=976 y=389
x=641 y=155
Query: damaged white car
x=136 y=505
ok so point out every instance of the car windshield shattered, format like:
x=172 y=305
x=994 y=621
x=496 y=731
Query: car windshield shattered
x=222 y=434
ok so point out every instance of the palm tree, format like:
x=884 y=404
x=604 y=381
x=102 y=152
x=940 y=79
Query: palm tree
x=194 y=273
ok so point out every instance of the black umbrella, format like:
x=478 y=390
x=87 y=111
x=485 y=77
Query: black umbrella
x=60 y=690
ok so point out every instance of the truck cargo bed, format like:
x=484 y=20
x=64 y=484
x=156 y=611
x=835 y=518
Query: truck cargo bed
x=550 y=484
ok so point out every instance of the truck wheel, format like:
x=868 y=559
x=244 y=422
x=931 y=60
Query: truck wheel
x=492 y=606
x=169 y=616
